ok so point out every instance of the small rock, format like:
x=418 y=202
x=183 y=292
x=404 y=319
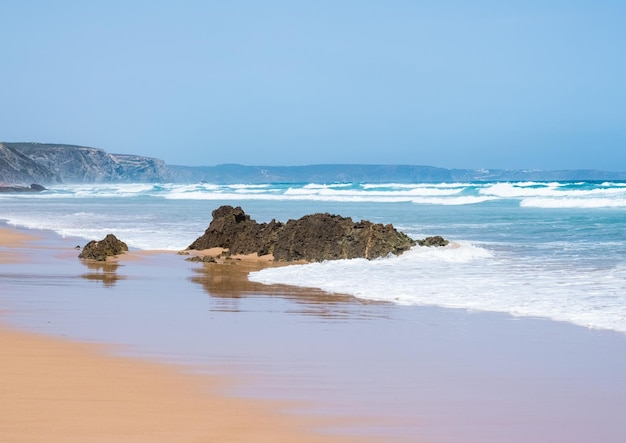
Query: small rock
x=202 y=259
x=37 y=188
x=436 y=240
x=99 y=250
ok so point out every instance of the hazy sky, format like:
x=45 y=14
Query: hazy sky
x=467 y=84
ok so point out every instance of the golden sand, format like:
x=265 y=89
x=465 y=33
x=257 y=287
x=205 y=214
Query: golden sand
x=10 y=239
x=58 y=391
x=55 y=391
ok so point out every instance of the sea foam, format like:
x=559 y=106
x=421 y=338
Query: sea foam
x=469 y=277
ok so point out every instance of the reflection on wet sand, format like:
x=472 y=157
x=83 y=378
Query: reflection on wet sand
x=105 y=272
x=229 y=283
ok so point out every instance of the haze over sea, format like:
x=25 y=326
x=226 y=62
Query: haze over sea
x=555 y=250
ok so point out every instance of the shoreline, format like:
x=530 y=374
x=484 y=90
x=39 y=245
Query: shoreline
x=341 y=368
x=55 y=390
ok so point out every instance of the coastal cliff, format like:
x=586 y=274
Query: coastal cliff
x=46 y=163
x=57 y=163
x=16 y=167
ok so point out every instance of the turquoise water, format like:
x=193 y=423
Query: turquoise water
x=555 y=250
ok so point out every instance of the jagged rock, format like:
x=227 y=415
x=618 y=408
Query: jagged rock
x=231 y=228
x=437 y=240
x=319 y=237
x=315 y=237
x=99 y=250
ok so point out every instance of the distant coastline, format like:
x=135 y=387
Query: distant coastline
x=48 y=164
x=353 y=173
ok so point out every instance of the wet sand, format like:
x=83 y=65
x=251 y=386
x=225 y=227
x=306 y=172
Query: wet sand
x=326 y=362
x=11 y=239
x=54 y=390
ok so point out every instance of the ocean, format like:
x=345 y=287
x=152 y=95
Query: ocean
x=554 y=250
x=512 y=333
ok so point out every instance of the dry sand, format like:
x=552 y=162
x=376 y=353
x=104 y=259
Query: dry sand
x=58 y=391
x=10 y=239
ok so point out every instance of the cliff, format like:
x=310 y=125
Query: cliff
x=18 y=168
x=57 y=163
x=45 y=163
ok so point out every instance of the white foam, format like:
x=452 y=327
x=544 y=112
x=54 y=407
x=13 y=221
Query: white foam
x=245 y=186
x=317 y=192
x=569 y=203
x=530 y=194
x=469 y=277
x=418 y=185
x=326 y=186
x=406 y=192
x=613 y=184
x=462 y=275
x=451 y=201
x=516 y=190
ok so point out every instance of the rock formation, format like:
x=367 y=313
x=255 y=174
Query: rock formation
x=55 y=163
x=231 y=228
x=16 y=167
x=321 y=237
x=32 y=188
x=437 y=240
x=110 y=246
x=315 y=237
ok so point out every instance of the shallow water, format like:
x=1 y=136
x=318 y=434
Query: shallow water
x=401 y=372
x=555 y=250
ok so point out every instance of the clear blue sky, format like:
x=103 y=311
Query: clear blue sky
x=467 y=84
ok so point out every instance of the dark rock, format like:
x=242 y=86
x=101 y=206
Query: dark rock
x=437 y=240
x=315 y=237
x=37 y=188
x=231 y=228
x=202 y=259
x=99 y=250
x=32 y=188
x=319 y=237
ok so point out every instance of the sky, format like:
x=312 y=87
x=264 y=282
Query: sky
x=455 y=84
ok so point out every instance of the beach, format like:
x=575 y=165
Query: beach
x=57 y=390
x=152 y=347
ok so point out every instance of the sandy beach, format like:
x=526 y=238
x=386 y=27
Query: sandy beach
x=9 y=240
x=151 y=347
x=54 y=391
x=61 y=391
